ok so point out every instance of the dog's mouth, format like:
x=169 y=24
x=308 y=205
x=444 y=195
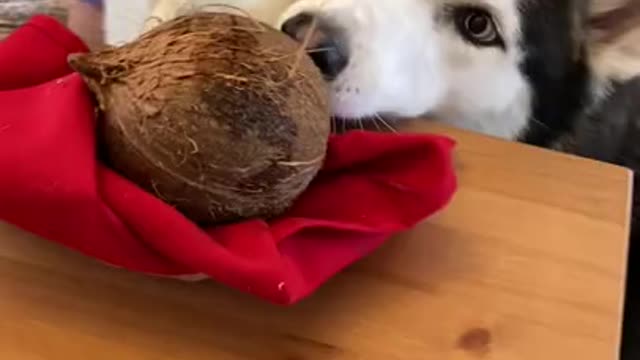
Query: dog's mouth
x=378 y=123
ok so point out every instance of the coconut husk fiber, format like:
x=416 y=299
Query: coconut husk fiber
x=216 y=114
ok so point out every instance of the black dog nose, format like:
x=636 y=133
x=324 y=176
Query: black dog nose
x=325 y=45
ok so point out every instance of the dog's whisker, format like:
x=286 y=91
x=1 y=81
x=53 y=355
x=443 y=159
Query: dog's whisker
x=317 y=50
x=376 y=124
x=385 y=123
x=538 y=122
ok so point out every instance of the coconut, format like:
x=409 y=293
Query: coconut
x=218 y=115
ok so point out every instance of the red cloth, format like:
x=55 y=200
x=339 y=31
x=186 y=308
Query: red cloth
x=372 y=186
x=36 y=53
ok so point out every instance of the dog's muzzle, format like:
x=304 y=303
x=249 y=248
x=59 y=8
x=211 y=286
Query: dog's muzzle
x=326 y=44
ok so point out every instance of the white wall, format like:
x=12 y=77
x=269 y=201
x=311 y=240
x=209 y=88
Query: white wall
x=125 y=19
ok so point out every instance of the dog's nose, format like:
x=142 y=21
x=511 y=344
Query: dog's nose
x=325 y=44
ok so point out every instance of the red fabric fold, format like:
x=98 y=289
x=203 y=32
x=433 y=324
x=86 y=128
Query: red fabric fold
x=37 y=52
x=372 y=186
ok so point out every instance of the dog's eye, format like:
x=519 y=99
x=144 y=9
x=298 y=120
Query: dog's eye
x=477 y=26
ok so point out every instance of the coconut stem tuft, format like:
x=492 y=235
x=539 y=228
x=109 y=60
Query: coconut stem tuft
x=86 y=66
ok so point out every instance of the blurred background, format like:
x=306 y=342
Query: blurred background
x=85 y=17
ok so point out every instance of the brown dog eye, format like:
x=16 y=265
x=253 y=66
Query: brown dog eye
x=477 y=26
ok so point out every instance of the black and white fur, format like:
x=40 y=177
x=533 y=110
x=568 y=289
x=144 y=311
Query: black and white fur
x=562 y=74
x=539 y=72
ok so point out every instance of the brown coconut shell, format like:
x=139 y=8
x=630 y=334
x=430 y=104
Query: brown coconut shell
x=213 y=113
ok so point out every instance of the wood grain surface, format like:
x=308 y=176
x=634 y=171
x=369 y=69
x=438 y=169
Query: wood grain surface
x=526 y=263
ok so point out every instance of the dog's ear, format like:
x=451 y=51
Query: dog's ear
x=613 y=38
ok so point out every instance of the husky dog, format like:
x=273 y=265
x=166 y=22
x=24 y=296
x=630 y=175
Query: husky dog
x=561 y=74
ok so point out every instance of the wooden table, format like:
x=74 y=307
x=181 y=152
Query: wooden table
x=527 y=263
